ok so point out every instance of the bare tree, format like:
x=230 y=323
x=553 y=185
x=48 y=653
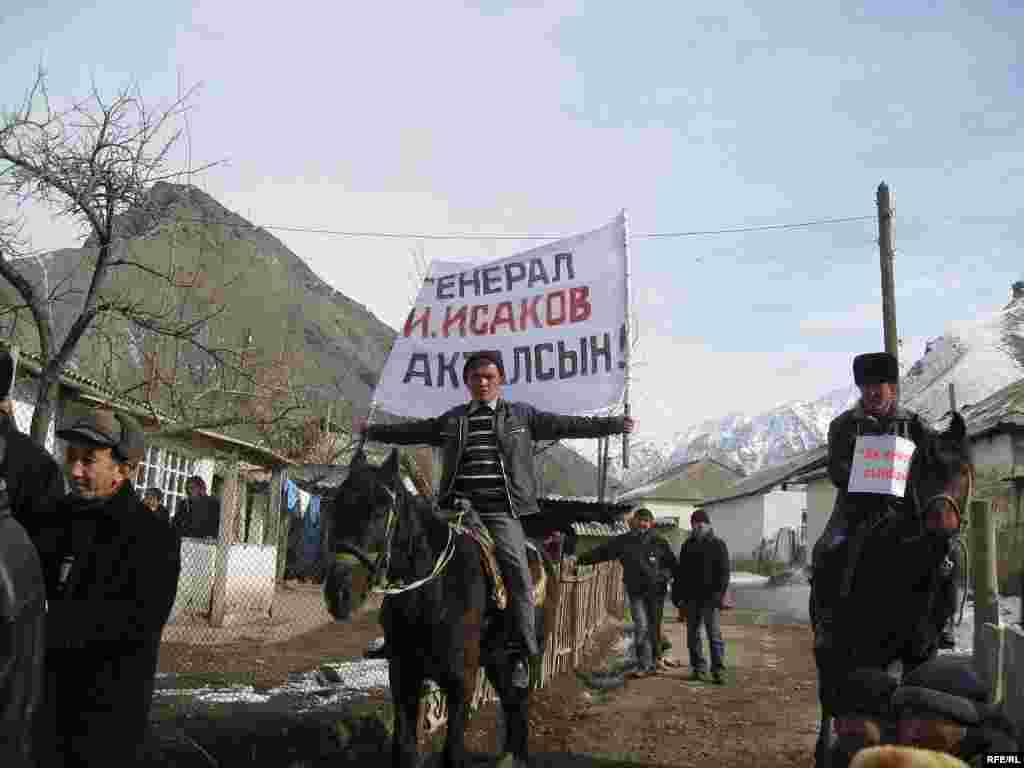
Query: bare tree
x=101 y=163
x=91 y=163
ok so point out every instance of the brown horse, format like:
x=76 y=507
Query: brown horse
x=895 y=608
x=439 y=618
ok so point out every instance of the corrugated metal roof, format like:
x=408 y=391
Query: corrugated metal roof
x=1000 y=410
x=100 y=393
x=767 y=479
x=599 y=529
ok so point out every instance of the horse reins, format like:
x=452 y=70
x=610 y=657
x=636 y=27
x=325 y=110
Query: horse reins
x=384 y=558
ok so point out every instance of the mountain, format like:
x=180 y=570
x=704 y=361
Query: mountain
x=335 y=345
x=978 y=358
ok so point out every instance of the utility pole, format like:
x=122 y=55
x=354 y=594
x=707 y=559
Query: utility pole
x=885 y=252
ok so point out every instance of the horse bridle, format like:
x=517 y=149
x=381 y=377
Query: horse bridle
x=379 y=569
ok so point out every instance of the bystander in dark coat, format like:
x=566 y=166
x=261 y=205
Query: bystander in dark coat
x=153 y=501
x=111 y=571
x=700 y=582
x=198 y=515
x=647 y=566
x=30 y=486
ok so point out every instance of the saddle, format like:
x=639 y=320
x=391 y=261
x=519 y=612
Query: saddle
x=466 y=522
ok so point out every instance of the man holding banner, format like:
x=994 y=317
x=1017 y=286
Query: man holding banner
x=557 y=317
x=488 y=460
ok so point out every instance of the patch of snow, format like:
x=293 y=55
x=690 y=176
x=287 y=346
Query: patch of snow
x=1009 y=613
x=746 y=579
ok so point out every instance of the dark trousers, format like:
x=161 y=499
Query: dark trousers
x=646 y=627
x=706 y=613
x=510 y=551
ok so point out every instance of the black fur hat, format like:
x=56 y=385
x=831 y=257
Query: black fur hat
x=874 y=368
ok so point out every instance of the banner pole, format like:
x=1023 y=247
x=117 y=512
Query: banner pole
x=626 y=346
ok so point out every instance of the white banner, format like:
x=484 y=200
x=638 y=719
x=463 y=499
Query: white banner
x=881 y=464
x=556 y=314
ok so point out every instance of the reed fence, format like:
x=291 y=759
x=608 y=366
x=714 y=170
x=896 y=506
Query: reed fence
x=583 y=600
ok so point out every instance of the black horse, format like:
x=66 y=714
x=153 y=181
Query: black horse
x=895 y=606
x=439 y=618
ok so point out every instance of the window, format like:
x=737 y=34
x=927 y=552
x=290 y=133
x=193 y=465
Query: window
x=167 y=470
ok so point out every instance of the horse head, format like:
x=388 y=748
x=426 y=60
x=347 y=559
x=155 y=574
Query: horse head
x=942 y=478
x=360 y=514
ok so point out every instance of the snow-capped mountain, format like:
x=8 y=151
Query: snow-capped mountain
x=978 y=358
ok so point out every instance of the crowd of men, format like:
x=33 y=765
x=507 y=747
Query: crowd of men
x=88 y=577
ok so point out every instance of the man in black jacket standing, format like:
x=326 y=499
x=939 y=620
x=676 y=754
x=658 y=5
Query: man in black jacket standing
x=488 y=459
x=647 y=566
x=700 y=583
x=30 y=486
x=111 y=571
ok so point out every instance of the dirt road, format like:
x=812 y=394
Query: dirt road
x=766 y=716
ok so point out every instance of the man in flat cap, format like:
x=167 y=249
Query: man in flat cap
x=111 y=570
x=488 y=460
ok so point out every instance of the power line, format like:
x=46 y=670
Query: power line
x=497 y=236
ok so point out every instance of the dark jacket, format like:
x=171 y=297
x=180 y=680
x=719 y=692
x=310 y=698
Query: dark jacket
x=849 y=511
x=703 y=570
x=35 y=480
x=32 y=484
x=22 y=612
x=517 y=425
x=107 y=611
x=198 y=517
x=647 y=560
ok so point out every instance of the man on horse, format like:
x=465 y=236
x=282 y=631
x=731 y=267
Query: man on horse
x=488 y=460
x=876 y=413
x=853 y=516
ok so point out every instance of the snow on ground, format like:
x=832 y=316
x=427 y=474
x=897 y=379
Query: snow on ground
x=1009 y=613
x=746 y=579
x=333 y=683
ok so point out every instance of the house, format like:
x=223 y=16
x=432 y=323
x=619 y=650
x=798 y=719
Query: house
x=678 y=491
x=222 y=581
x=757 y=508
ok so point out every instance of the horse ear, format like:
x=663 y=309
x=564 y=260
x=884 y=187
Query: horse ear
x=391 y=465
x=957 y=429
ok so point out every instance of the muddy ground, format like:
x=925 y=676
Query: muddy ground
x=765 y=716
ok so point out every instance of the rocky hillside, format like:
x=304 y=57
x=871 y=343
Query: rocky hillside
x=269 y=294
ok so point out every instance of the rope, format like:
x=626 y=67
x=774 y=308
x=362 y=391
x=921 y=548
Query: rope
x=384 y=559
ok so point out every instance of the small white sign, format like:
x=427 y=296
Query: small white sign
x=881 y=464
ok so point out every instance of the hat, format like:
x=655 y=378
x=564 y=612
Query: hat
x=481 y=358
x=699 y=516
x=644 y=514
x=866 y=691
x=951 y=675
x=874 y=368
x=108 y=430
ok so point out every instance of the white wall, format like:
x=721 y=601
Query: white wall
x=821 y=497
x=993 y=450
x=251 y=572
x=740 y=523
x=198 y=563
x=783 y=509
x=679 y=510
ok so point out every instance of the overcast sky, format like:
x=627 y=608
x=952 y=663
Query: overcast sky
x=551 y=117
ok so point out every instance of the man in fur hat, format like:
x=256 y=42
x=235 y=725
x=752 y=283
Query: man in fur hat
x=877 y=412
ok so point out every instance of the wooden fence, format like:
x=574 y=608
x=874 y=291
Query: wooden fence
x=580 y=605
